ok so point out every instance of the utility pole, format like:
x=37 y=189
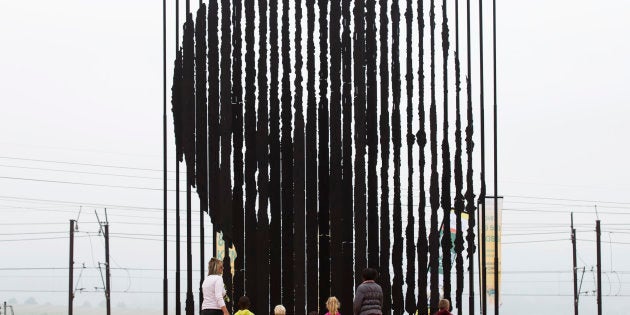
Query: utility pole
x=107 y=275
x=599 y=268
x=70 y=271
x=575 y=285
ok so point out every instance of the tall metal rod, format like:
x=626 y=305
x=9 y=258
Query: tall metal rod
x=107 y=273
x=470 y=208
x=482 y=196
x=178 y=303
x=496 y=184
x=201 y=257
x=165 y=274
x=575 y=286
x=599 y=267
x=70 y=270
x=189 y=182
x=189 y=295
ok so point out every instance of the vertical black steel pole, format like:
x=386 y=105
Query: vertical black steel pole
x=575 y=287
x=107 y=274
x=470 y=207
x=482 y=197
x=189 y=182
x=599 y=268
x=190 y=303
x=496 y=189
x=70 y=270
x=165 y=274
x=178 y=303
x=201 y=257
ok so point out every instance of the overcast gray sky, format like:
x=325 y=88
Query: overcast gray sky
x=81 y=82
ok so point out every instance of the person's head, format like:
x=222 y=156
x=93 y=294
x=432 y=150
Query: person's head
x=313 y=313
x=279 y=310
x=215 y=266
x=369 y=274
x=332 y=304
x=243 y=302
x=444 y=304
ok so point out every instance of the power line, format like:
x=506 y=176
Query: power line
x=77 y=203
x=81 y=164
x=81 y=172
x=79 y=183
x=567 y=199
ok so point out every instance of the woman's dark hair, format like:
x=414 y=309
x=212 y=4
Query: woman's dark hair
x=243 y=303
x=369 y=274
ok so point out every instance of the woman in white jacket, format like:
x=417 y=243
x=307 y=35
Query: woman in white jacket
x=214 y=290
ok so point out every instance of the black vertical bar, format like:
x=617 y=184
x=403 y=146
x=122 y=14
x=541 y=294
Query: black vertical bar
x=251 y=266
x=70 y=269
x=189 y=295
x=459 y=198
x=398 y=305
x=575 y=286
x=299 y=240
x=107 y=273
x=599 y=267
x=287 y=166
x=178 y=306
x=470 y=194
x=177 y=245
x=213 y=115
x=165 y=260
x=237 y=143
x=372 y=134
x=323 y=157
x=189 y=110
x=434 y=193
x=360 y=230
x=311 y=165
x=275 y=274
x=384 y=140
x=347 y=276
x=410 y=297
x=201 y=116
x=201 y=258
x=226 y=122
x=336 y=248
x=496 y=184
x=262 y=155
x=421 y=138
x=482 y=194
x=446 y=164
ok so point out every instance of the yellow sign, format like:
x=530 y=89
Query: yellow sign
x=221 y=250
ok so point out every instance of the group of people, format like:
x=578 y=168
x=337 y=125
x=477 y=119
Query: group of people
x=368 y=299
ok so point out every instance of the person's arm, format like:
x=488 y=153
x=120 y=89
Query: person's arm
x=218 y=295
x=358 y=300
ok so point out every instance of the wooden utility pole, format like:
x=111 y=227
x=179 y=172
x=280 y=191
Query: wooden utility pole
x=70 y=271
